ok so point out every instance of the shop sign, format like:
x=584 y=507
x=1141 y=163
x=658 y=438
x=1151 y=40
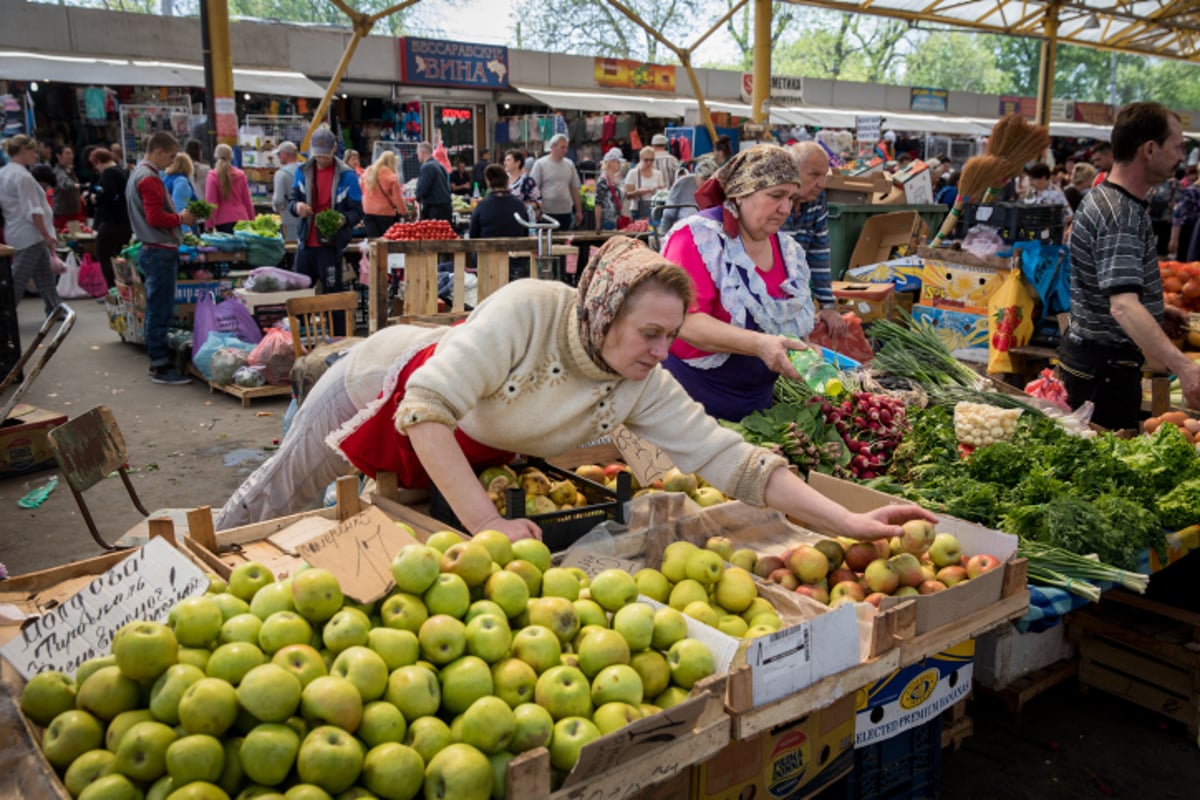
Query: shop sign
x=786 y=90
x=1014 y=104
x=867 y=128
x=922 y=99
x=433 y=62
x=621 y=73
x=1094 y=113
x=1062 y=110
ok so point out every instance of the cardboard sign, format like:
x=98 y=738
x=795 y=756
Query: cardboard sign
x=595 y=563
x=787 y=661
x=359 y=552
x=145 y=586
x=646 y=460
x=867 y=128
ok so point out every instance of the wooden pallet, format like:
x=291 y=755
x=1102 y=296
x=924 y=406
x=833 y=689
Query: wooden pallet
x=243 y=393
x=1015 y=695
x=1142 y=651
x=956 y=725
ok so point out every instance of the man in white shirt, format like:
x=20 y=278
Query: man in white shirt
x=28 y=223
x=558 y=183
x=288 y=158
x=664 y=162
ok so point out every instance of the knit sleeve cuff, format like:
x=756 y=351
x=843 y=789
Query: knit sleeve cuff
x=756 y=468
x=421 y=405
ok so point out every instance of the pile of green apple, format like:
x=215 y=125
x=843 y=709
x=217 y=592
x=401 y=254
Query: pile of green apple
x=921 y=561
x=695 y=581
x=287 y=689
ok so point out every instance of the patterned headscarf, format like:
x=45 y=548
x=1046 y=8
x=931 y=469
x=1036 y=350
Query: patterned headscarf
x=759 y=167
x=611 y=273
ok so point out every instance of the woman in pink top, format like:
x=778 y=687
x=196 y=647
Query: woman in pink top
x=383 y=202
x=226 y=188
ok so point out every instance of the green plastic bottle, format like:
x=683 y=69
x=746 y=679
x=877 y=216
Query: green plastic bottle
x=820 y=376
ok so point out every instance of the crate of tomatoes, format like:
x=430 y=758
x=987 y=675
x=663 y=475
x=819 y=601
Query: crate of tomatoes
x=428 y=229
x=1181 y=284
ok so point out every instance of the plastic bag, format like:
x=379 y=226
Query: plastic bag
x=217 y=341
x=227 y=316
x=1048 y=387
x=91 y=277
x=276 y=356
x=249 y=377
x=273 y=279
x=225 y=364
x=68 y=282
x=261 y=250
x=852 y=343
x=1010 y=321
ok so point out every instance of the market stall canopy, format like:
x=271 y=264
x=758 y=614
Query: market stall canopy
x=27 y=66
x=779 y=115
x=571 y=100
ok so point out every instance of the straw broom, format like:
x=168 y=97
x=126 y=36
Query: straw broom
x=1018 y=141
x=979 y=174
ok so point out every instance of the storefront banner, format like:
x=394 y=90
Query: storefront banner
x=928 y=99
x=433 y=62
x=620 y=73
x=1062 y=110
x=1094 y=113
x=786 y=90
x=226 y=113
x=1013 y=104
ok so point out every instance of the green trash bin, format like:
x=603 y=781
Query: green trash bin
x=846 y=223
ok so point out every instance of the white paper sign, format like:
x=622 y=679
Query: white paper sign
x=794 y=658
x=595 y=563
x=145 y=585
x=868 y=128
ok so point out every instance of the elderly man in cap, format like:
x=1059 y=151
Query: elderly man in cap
x=288 y=157
x=809 y=226
x=324 y=182
x=664 y=162
x=558 y=181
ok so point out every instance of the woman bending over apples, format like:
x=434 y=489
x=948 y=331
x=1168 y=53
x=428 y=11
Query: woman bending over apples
x=538 y=368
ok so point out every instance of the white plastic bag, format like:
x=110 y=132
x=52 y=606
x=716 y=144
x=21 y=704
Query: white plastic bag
x=68 y=282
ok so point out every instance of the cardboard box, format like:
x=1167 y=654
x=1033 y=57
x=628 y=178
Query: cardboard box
x=789 y=761
x=884 y=233
x=915 y=184
x=856 y=189
x=904 y=273
x=870 y=301
x=24 y=446
x=958 y=330
x=914 y=695
x=959 y=287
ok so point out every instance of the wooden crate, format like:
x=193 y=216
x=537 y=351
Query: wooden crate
x=24 y=771
x=1142 y=651
x=956 y=725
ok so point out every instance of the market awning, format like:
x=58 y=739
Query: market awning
x=779 y=115
x=582 y=100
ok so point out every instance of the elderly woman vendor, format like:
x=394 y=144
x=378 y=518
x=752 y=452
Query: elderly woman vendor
x=538 y=368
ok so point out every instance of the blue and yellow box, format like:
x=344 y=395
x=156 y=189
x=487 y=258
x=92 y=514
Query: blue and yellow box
x=913 y=695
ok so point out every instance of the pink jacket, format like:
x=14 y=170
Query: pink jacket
x=238 y=206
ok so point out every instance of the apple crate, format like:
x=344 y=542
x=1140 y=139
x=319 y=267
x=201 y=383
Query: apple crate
x=24 y=771
x=560 y=529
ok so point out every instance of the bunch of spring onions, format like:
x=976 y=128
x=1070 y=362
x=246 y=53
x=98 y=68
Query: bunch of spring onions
x=915 y=352
x=1053 y=566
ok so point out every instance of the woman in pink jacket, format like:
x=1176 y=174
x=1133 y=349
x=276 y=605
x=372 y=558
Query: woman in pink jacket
x=382 y=198
x=226 y=188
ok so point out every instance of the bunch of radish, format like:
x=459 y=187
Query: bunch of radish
x=871 y=425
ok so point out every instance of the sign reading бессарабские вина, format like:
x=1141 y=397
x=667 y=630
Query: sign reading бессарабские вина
x=434 y=62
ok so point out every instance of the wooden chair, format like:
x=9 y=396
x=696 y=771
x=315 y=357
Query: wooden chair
x=311 y=318
x=87 y=449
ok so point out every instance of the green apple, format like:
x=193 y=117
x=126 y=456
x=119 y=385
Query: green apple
x=459 y=772
x=162 y=788
x=120 y=725
x=268 y=753
x=564 y=692
x=619 y=683
x=415 y=568
x=555 y=613
x=489 y=725
x=70 y=735
x=570 y=736
x=758 y=605
x=528 y=573
x=449 y=595
x=283 y=628
x=107 y=692
x=690 y=660
x=613 y=589
x=672 y=696
x=197 y=620
x=194 y=657
x=247 y=578
x=464 y=681
x=240 y=628
x=210 y=705
x=508 y=591
x=468 y=560
x=232 y=776
x=443 y=638
x=330 y=758
x=142 y=753
x=273 y=597
x=397 y=648
x=533 y=551
x=216 y=584
x=736 y=590
x=685 y=593
x=364 y=668
x=199 y=790
x=316 y=594
x=332 y=700
x=534 y=727
x=648 y=709
x=302 y=660
x=197 y=757
x=705 y=566
x=489 y=638
x=721 y=545
x=652 y=584
x=270 y=692
x=652 y=668
x=560 y=582
x=230 y=605
x=602 y=647
x=636 y=623
x=703 y=612
x=669 y=627
x=113 y=786
x=614 y=716
x=499 y=762
x=402 y=611
x=230 y=662
x=415 y=691
x=770 y=620
x=498 y=545
x=590 y=613
x=481 y=607
x=381 y=722
x=47 y=695
x=347 y=628
x=428 y=736
x=513 y=681
x=86 y=769
x=537 y=646
x=393 y=771
x=145 y=649
x=744 y=559
x=732 y=625
x=443 y=540
x=945 y=550
x=92 y=665
x=675 y=558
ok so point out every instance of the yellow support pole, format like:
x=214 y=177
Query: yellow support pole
x=762 y=58
x=1046 y=67
x=705 y=116
x=220 y=56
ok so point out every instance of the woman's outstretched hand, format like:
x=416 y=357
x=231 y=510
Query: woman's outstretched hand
x=884 y=522
x=514 y=529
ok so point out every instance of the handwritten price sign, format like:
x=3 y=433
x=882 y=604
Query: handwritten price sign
x=647 y=460
x=359 y=552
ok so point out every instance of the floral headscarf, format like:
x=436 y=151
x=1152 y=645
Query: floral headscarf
x=610 y=275
x=759 y=167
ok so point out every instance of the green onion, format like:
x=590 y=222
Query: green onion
x=915 y=352
x=1060 y=565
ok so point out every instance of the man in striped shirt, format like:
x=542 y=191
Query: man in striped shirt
x=1117 y=310
x=809 y=225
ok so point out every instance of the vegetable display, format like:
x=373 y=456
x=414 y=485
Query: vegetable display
x=200 y=209
x=262 y=225
x=329 y=222
x=428 y=229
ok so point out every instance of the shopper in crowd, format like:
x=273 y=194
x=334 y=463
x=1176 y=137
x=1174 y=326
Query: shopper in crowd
x=288 y=157
x=642 y=182
x=460 y=180
x=157 y=225
x=477 y=177
x=1082 y=175
x=354 y=161
x=664 y=161
x=28 y=223
x=586 y=166
x=112 y=215
x=178 y=180
x=433 y=186
x=45 y=150
x=1161 y=205
x=1102 y=159
x=118 y=153
x=322 y=183
x=610 y=192
x=200 y=168
x=382 y=198
x=947 y=195
x=1189 y=176
x=1184 y=219
x=493 y=217
x=809 y=226
x=681 y=200
x=523 y=374
x=226 y=188
x=558 y=183
x=753 y=302
x=1118 y=318
x=520 y=184
x=1041 y=192
x=723 y=148
x=68 y=200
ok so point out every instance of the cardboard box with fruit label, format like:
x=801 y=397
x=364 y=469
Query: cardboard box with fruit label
x=914 y=695
x=24 y=442
x=959 y=287
x=958 y=330
x=870 y=301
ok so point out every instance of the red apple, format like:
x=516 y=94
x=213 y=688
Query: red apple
x=850 y=589
x=842 y=574
x=785 y=578
x=818 y=593
x=875 y=598
x=809 y=564
x=882 y=576
x=882 y=547
x=859 y=554
x=611 y=470
x=908 y=568
x=977 y=565
x=931 y=587
x=767 y=564
x=952 y=575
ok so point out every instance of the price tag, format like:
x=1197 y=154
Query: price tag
x=646 y=460
x=359 y=552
